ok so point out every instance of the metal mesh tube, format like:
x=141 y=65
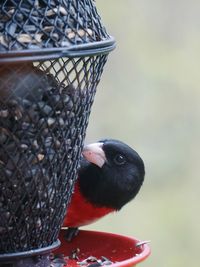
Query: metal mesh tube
x=44 y=110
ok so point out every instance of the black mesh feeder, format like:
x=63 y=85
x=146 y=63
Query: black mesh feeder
x=52 y=54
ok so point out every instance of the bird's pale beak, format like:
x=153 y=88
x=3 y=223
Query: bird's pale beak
x=94 y=153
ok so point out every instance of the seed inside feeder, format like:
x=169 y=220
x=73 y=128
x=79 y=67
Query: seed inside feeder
x=34 y=119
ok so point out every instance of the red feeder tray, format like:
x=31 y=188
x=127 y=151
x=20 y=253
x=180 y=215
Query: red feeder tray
x=120 y=250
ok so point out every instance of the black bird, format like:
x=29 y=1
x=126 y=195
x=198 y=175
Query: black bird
x=110 y=175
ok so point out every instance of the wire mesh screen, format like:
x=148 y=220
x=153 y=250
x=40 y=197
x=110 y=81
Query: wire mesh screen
x=37 y=24
x=44 y=110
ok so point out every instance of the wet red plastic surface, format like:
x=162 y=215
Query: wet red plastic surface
x=121 y=250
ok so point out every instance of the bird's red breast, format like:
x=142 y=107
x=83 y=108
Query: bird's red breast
x=81 y=212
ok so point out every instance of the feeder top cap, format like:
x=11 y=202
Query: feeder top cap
x=38 y=29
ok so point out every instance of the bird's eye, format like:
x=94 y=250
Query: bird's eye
x=119 y=159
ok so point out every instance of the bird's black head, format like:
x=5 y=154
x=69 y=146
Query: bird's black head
x=111 y=173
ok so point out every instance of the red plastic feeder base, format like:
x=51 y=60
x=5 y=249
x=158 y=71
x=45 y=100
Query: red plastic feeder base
x=120 y=250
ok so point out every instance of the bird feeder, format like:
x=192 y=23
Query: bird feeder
x=52 y=54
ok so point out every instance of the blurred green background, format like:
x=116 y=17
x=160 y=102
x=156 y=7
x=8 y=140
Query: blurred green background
x=149 y=97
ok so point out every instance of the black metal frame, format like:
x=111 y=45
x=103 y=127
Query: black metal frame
x=93 y=49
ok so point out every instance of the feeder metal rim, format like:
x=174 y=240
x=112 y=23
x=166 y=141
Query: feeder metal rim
x=29 y=253
x=92 y=49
